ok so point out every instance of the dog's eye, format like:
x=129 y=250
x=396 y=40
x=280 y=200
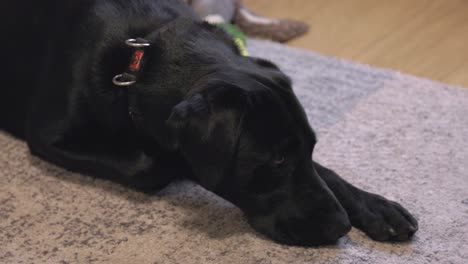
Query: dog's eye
x=280 y=161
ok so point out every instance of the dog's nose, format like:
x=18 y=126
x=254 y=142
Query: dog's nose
x=323 y=230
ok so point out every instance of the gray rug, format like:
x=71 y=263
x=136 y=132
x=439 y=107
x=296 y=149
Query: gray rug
x=400 y=136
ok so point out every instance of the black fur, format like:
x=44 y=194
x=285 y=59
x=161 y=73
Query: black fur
x=230 y=123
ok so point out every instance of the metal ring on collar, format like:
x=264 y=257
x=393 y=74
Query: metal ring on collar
x=124 y=79
x=135 y=43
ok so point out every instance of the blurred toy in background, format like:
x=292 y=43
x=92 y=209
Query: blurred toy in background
x=235 y=12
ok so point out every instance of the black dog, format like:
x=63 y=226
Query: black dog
x=189 y=104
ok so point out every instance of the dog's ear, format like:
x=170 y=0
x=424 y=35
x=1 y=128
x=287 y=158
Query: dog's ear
x=265 y=63
x=189 y=110
x=205 y=128
x=273 y=72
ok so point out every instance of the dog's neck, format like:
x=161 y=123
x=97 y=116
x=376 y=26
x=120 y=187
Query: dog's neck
x=181 y=53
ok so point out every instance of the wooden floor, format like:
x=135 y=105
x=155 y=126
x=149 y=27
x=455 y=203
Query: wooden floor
x=427 y=38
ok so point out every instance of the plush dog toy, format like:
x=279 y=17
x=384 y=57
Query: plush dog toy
x=234 y=11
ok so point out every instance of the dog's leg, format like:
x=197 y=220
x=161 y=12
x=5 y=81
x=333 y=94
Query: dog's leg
x=96 y=157
x=379 y=218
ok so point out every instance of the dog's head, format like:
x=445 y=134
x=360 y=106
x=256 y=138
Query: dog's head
x=246 y=138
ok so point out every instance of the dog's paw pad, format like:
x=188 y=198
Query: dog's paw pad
x=384 y=220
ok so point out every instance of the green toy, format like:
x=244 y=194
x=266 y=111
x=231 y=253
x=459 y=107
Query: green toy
x=237 y=35
x=253 y=25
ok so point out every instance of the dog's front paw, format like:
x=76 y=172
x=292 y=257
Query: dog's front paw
x=383 y=220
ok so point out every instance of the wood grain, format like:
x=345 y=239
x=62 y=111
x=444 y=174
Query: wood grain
x=427 y=38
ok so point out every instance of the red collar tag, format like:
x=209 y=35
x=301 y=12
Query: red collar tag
x=135 y=62
x=129 y=77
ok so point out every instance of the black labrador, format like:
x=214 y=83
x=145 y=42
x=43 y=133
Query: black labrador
x=187 y=104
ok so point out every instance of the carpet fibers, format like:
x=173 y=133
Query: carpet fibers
x=403 y=137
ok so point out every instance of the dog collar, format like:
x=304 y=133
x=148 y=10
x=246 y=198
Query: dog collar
x=129 y=77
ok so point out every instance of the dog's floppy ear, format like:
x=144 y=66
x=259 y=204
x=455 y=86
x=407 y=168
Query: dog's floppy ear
x=265 y=63
x=193 y=108
x=273 y=72
x=205 y=128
